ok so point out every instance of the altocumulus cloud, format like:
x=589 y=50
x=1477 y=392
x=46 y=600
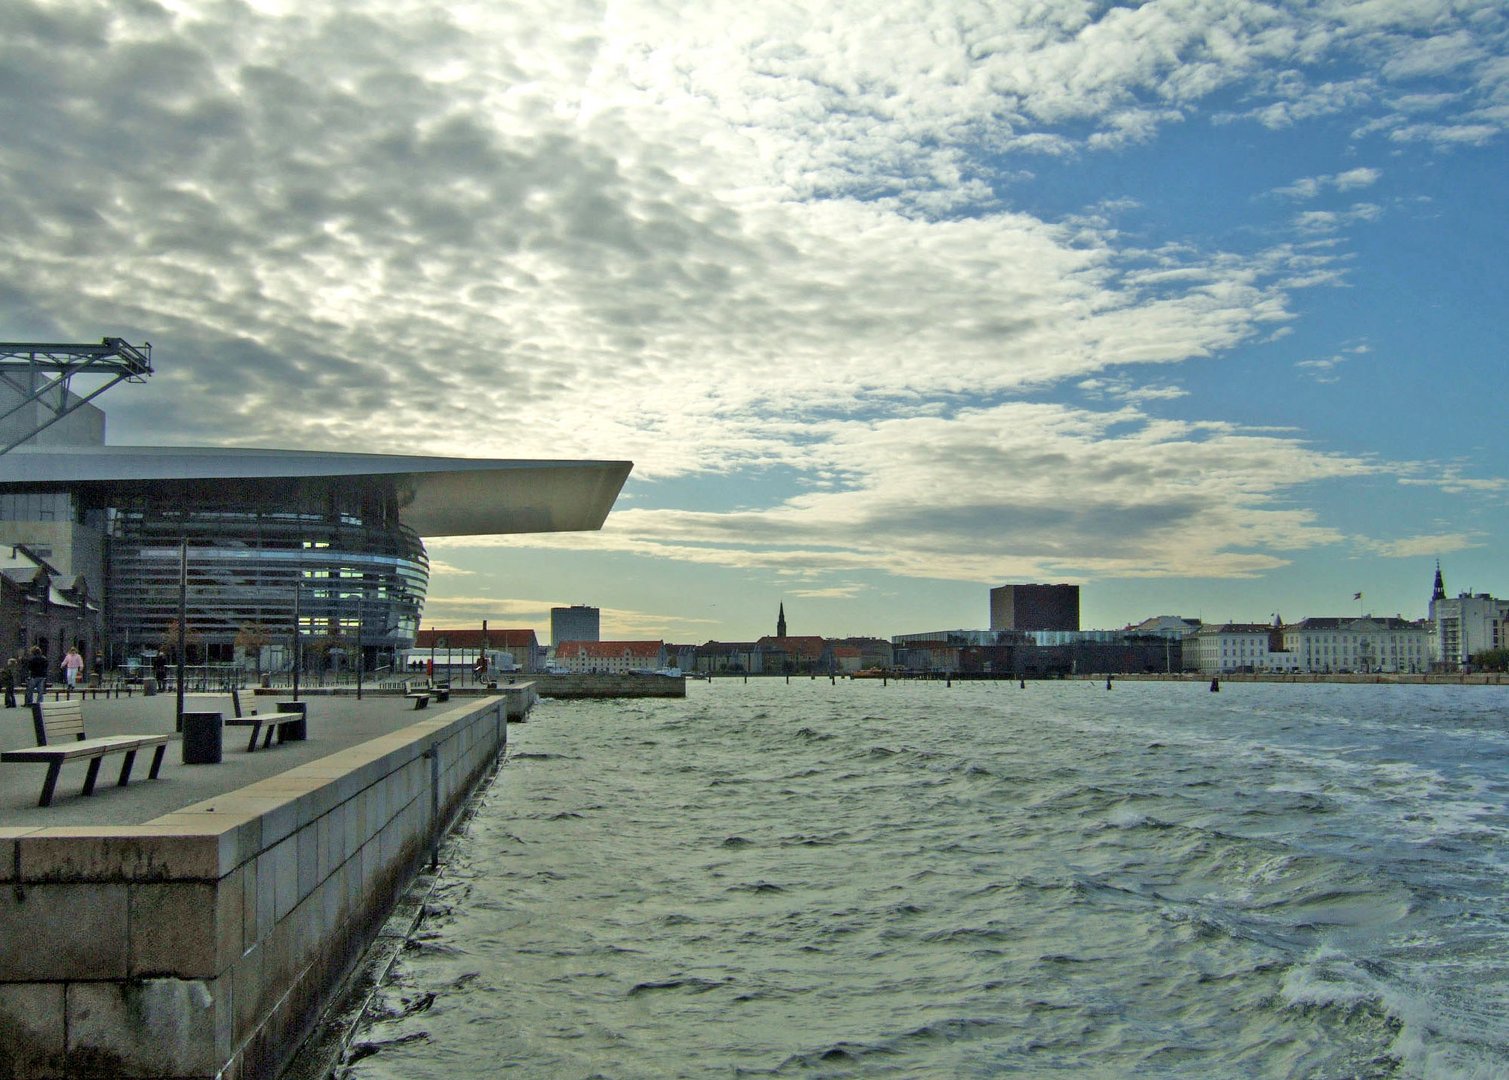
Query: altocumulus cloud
x=710 y=237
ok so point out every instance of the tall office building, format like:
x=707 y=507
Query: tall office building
x=575 y=623
x=1034 y=607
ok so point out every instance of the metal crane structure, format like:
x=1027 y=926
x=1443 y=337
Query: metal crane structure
x=37 y=372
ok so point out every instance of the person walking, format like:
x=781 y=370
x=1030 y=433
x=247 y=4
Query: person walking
x=36 y=676
x=73 y=663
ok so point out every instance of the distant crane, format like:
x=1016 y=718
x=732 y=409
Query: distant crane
x=40 y=373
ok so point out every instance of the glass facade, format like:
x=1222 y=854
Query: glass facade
x=332 y=554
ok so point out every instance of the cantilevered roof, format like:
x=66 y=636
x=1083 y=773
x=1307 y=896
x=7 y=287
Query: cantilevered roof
x=436 y=496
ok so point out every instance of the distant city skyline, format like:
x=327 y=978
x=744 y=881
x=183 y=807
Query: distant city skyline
x=1195 y=307
x=1036 y=594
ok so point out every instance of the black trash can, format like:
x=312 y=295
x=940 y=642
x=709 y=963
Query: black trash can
x=296 y=730
x=203 y=738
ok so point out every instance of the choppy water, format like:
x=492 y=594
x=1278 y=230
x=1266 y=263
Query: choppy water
x=913 y=880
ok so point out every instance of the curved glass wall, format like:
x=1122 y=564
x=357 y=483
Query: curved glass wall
x=335 y=560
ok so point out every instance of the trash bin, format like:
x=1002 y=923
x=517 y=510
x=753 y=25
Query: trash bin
x=203 y=736
x=148 y=686
x=266 y=682
x=297 y=730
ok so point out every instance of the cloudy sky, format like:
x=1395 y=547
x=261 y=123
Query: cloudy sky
x=1197 y=303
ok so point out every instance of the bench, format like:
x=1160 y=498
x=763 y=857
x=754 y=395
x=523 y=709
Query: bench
x=421 y=698
x=61 y=738
x=288 y=724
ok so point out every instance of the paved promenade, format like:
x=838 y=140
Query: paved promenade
x=335 y=722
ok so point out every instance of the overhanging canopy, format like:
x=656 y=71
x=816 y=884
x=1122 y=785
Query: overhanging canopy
x=436 y=496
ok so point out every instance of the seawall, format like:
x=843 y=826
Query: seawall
x=207 y=942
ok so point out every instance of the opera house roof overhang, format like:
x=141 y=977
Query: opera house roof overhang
x=435 y=496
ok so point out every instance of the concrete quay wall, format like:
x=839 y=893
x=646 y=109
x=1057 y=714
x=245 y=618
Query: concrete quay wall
x=208 y=941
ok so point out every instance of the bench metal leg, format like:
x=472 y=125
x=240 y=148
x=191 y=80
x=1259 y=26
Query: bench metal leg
x=157 y=760
x=271 y=730
x=256 y=730
x=93 y=774
x=130 y=760
x=53 y=768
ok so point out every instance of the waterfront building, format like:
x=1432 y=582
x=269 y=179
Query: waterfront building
x=800 y=653
x=1034 y=607
x=575 y=623
x=1040 y=653
x=1466 y=624
x=1365 y=644
x=873 y=652
x=846 y=659
x=1224 y=647
x=730 y=658
x=268 y=540
x=609 y=657
x=1171 y=626
x=457 y=650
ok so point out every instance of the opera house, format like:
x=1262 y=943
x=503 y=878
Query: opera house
x=264 y=539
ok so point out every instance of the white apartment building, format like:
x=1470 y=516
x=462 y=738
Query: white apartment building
x=1223 y=647
x=1466 y=625
x=1367 y=644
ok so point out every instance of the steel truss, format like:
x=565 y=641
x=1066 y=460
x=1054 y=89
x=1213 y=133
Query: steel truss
x=41 y=373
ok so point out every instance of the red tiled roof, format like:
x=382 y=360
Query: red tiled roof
x=472 y=638
x=805 y=646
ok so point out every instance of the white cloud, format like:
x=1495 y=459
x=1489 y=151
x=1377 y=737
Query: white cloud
x=1416 y=547
x=1311 y=186
x=710 y=238
x=1013 y=490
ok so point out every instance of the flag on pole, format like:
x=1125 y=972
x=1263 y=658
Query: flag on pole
x=1356 y=596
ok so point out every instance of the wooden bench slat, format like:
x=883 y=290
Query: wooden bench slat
x=55 y=723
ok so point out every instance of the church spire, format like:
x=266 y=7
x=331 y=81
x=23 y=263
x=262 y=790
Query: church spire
x=1440 y=590
x=780 y=622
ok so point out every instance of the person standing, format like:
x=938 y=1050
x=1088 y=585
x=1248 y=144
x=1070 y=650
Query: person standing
x=36 y=676
x=73 y=663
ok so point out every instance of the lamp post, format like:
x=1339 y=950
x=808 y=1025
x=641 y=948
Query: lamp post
x=298 y=659
x=361 y=615
x=183 y=615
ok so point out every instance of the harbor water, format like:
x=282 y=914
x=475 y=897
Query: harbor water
x=806 y=879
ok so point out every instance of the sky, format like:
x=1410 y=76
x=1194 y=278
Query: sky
x=1197 y=304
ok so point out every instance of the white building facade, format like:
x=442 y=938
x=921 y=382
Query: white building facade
x=609 y=657
x=1367 y=644
x=1226 y=647
x=1466 y=625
